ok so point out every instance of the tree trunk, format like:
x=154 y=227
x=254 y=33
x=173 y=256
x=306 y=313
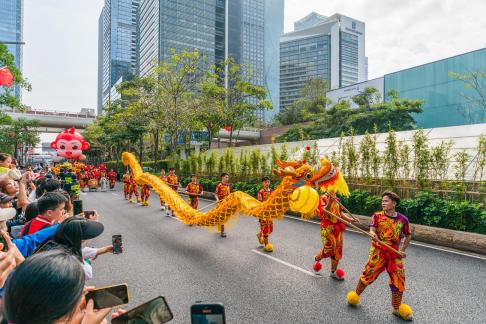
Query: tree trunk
x=231 y=137
x=140 y=153
x=156 y=152
x=210 y=136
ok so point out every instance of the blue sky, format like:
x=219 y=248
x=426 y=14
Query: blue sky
x=60 y=55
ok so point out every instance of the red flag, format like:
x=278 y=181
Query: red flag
x=6 y=77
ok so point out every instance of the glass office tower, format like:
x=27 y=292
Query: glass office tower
x=11 y=30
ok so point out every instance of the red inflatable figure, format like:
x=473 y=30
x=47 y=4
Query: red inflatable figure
x=70 y=145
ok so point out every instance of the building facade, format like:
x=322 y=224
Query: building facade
x=11 y=30
x=330 y=48
x=447 y=101
x=118 y=47
x=246 y=30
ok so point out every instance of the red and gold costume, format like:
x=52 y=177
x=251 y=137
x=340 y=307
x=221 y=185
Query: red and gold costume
x=126 y=185
x=112 y=179
x=194 y=189
x=173 y=181
x=145 y=194
x=390 y=230
x=331 y=231
x=266 y=226
x=133 y=190
x=163 y=178
x=222 y=190
x=83 y=180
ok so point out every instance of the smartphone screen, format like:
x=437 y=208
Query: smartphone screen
x=207 y=313
x=109 y=296
x=77 y=207
x=155 y=311
x=116 y=241
x=88 y=214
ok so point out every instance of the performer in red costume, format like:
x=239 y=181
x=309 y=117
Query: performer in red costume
x=266 y=225
x=112 y=178
x=193 y=190
x=145 y=194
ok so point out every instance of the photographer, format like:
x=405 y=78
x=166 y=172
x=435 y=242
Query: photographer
x=49 y=288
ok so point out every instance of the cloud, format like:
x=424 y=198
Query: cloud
x=61 y=51
x=405 y=33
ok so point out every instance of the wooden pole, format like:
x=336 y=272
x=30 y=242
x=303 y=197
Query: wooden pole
x=363 y=232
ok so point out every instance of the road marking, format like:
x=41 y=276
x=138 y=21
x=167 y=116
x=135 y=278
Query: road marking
x=114 y=194
x=290 y=265
x=411 y=243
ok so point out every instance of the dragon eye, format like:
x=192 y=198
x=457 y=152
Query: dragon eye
x=308 y=175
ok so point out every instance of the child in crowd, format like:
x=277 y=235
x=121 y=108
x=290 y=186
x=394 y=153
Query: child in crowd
x=51 y=210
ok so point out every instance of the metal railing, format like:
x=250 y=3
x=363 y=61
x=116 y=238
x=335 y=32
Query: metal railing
x=51 y=113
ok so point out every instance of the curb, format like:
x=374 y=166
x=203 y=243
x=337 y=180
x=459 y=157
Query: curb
x=464 y=241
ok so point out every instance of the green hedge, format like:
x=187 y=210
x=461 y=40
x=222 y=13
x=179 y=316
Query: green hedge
x=425 y=209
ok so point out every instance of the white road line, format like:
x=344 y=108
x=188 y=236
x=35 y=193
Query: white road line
x=290 y=265
x=411 y=243
x=114 y=194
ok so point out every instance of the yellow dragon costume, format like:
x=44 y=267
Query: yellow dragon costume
x=295 y=192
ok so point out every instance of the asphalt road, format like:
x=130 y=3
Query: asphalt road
x=187 y=264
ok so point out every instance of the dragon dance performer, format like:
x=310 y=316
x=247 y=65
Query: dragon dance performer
x=126 y=184
x=145 y=194
x=331 y=233
x=133 y=189
x=193 y=190
x=83 y=179
x=390 y=227
x=266 y=226
x=112 y=178
x=173 y=182
x=222 y=190
x=163 y=177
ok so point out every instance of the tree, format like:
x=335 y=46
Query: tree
x=18 y=135
x=310 y=106
x=476 y=82
x=239 y=98
x=6 y=97
x=396 y=113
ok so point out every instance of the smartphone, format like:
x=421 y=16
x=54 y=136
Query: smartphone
x=77 y=207
x=207 y=313
x=88 y=214
x=5 y=246
x=109 y=296
x=155 y=311
x=116 y=241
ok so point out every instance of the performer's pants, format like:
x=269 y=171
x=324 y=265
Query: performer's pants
x=134 y=191
x=126 y=189
x=266 y=228
x=332 y=242
x=145 y=195
x=194 y=202
x=112 y=183
x=380 y=260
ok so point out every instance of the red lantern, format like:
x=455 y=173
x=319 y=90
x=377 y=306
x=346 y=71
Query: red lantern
x=6 y=77
x=307 y=148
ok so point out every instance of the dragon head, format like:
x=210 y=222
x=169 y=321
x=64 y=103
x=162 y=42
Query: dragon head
x=307 y=179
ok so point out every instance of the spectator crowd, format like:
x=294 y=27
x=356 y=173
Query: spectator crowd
x=45 y=255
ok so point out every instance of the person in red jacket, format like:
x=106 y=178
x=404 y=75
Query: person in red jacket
x=112 y=178
x=266 y=225
x=193 y=190
x=223 y=189
x=51 y=210
x=145 y=194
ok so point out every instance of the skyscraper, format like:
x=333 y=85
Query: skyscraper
x=11 y=30
x=118 y=47
x=330 y=48
x=247 y=30
x=178 y=25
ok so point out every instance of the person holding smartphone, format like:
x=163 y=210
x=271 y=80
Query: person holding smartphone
x=25 y=292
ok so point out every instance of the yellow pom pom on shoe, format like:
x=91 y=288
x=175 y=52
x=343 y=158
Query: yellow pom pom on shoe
x=268 y=247
x=353 y=298
x=405 y=312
